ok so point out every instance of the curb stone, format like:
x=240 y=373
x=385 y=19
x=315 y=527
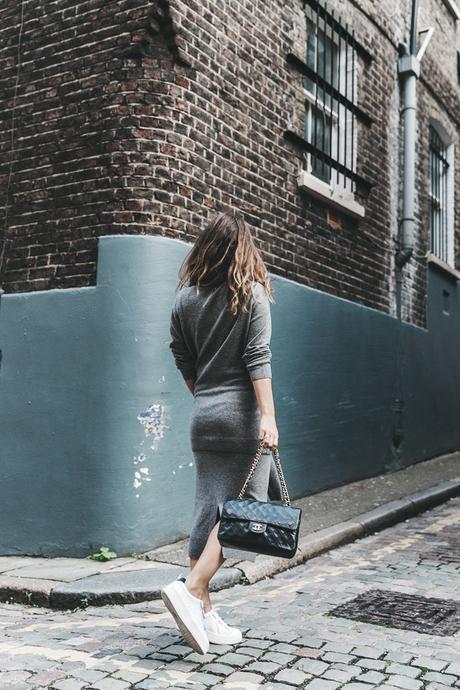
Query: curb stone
x=109 y=588
x=363 y=524
x=132 y=588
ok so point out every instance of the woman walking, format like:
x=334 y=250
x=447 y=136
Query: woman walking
x=221 y=330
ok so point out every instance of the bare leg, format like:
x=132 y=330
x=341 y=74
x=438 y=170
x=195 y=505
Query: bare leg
x=204 y=567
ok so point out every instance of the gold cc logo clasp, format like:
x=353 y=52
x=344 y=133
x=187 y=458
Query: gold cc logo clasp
x=257 y=526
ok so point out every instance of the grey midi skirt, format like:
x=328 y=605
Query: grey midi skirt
x=220 y=474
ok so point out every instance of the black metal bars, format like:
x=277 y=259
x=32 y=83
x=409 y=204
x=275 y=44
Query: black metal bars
x=439 y=167
x=330 y=80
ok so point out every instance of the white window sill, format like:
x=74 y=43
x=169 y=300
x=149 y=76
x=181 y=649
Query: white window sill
x=316 y=187
x=442 y=264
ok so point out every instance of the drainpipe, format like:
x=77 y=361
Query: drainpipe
x=409 y=71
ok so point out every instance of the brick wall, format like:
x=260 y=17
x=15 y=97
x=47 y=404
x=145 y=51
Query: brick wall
x=137 y=117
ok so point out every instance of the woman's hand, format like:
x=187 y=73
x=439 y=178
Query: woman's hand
x=268 y=430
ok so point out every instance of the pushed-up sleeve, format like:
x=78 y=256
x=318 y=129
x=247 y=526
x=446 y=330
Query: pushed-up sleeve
x=257 y=353
x=183 y=358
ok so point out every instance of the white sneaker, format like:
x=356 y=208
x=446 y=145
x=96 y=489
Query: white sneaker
x=218 y=631
x=188 y=612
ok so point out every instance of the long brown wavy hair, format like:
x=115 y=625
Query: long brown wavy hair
x=225 y=252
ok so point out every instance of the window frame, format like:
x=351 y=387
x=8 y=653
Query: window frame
x=446 y=204
x=343 y=123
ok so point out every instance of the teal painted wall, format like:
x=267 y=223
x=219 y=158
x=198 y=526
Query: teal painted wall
x=89 y=395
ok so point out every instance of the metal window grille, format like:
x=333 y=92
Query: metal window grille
x=439 y=168
x=330 y=97
x=330 y=72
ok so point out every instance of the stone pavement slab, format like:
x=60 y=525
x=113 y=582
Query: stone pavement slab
x=115 y=587
x=66 y=569
x=26 y=589
x=126 y=586
x=11 y=562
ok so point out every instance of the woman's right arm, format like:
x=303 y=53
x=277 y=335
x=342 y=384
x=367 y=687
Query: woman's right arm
x=268 y=430
x=257 y=357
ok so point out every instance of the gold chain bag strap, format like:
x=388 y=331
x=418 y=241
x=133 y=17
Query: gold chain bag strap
x=268 y=527
x=257 y=457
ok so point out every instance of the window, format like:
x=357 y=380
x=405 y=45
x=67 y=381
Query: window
x=330 y=89
x=327 y=132
x=441 y=195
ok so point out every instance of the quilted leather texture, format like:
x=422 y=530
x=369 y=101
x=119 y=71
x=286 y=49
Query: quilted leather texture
x=280 y=537
x=262 y=511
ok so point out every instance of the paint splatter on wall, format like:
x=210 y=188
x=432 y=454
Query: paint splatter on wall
x=153 y=421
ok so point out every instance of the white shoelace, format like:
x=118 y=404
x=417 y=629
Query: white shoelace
x=219 y=620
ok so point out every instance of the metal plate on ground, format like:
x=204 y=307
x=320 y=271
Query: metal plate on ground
x=442 y=556
x=442 y=548
x=406 y=611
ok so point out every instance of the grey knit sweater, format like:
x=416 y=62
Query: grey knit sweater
x=222 y=354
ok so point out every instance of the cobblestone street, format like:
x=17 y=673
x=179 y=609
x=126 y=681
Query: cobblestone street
x=291 y=638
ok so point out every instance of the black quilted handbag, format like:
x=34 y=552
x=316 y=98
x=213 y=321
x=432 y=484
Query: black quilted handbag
x=268 y=527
